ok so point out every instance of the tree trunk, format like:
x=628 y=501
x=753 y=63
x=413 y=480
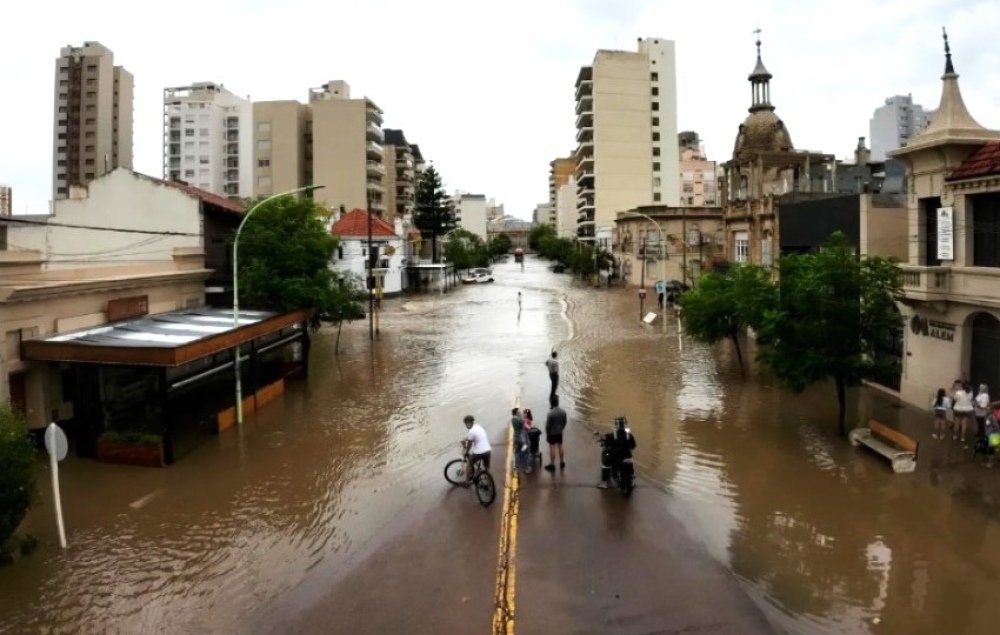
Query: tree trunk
x=739 y=351
x=336 y=345
x=434 y=249
x=841 y=405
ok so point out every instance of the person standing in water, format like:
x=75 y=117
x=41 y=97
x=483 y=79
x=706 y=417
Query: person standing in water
x=552 y=363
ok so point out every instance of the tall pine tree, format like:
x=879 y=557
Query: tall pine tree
x=433 y=211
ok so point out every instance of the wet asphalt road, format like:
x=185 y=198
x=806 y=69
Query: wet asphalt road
x=585 y=560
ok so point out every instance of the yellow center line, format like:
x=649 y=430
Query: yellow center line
x=503 y=613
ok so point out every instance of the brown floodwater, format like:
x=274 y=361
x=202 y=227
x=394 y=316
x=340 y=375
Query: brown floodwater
x=821 y=535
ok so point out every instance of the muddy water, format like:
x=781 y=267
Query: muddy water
x=824 y=537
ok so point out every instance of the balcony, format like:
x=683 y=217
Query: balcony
x=404 y=176
x=374 y=151
x=585 y=192
x=373 y=114
x=375 y=168
x=585 y=105
x=232 y=122
x=232 y=175
x=373 y=132
x=585 y=135
x=585 y=168
x=584 y=120
x=232 y=149
x=970 y=285
x=376 y=186
x=585 y=82
x=584 y=204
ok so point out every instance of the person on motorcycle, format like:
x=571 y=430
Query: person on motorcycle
x=617 y=446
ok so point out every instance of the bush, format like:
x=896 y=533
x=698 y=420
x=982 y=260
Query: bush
x=17 y=471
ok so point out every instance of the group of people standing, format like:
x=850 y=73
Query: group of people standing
x=526 y=436
x=963 y=404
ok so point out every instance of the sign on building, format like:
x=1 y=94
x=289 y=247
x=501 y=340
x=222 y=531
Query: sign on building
x=946 y=233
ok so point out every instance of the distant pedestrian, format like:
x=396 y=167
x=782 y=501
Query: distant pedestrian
x=555 y=425
x=553 y=365
x=940 y=405
x=520 y=442
x=518 y=300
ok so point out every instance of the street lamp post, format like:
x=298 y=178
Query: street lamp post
x=663 y=264
x=236 y=289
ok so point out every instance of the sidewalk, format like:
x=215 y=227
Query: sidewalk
x=946 y=462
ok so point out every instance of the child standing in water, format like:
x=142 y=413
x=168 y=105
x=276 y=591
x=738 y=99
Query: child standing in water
x=940 y=405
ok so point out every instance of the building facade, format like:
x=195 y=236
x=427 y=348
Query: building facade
x=566 y=214
x=765 y=170
x=561 y=170
x=472 y=212
x=208 y=139
x=542 y=214
x=93 y=116
x=894 y=123
x=951 y=284
x=334 y=140
x=352 y=252
x=699 y=179
x=690 y=243
x=626 y=107
x=6 y=200
x=400 y=184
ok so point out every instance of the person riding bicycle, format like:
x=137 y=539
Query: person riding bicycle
x=618 y=446
x=477 y=444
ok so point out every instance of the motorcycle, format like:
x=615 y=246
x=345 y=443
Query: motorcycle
x=621 y=470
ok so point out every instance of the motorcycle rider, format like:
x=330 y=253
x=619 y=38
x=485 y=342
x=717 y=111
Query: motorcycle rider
x=617 y=446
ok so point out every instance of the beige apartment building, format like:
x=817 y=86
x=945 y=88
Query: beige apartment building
x=93 y=116
x=400 y=182
x=699 y=176
x=334 y=141
x=951 y=284
x=561 y=171
x=626 y=106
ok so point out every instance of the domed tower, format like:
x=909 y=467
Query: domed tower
x=762 y=131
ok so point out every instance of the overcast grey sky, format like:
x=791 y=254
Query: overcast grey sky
x=486 y=88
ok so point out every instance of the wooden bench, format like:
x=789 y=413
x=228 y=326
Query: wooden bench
x=900 y=449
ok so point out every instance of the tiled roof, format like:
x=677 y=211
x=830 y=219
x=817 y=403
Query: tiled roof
x=207 y=197
x=355 y=225
x=985 y=161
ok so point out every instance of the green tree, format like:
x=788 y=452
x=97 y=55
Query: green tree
x=465 y=250
x=726 y=303
x=433 y=210
x=346 y=302
x=284 y=262
x=540 y=233
x=17 y=472
x=833 y=310
x=499 y=245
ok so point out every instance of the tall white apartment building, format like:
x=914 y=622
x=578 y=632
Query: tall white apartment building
x=208 y=139
x=472 y=212
x=626 y=106
x=565 y=209
x=895 y=123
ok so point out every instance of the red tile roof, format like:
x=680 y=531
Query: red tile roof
x=985 y=161
x=207 y=197
x=355 y=225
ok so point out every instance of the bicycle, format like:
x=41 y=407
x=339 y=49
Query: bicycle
x=482 y=480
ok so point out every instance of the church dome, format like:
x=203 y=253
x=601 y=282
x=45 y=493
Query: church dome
x=762 y=131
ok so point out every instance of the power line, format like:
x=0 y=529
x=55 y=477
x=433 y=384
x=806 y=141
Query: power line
x=25 y=221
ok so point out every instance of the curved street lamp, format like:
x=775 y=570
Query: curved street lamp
x=236 y=288
x=663 y=264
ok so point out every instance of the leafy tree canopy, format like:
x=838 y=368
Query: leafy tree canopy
x=285 y=252
x=499 y=245
x=433 y=210
x=17 y=471
x=832 y=311
x=466 y=250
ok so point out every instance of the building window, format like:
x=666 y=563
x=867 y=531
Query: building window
x=62 y=135
x=656 y=166
x=189 y=174
x=655 y=105
x=656 y=151
x=188 y=118
x=188 y=158
x=89 y=134
x=91 y=94
x=263 y=146
x=263 y=163
x=189 y=132
x=263 y=181
x=88 y=162
x=91 y=81
x=656 y=91
x=203 y=132
x=656 y=181
x=203 y=160
x=263 y=127
x=91 y=121
x=656 y=197
x=654 y=77
x=741 y=247
x=88 y=175
x=765 y=251
x=88 y=149
x=91 y=108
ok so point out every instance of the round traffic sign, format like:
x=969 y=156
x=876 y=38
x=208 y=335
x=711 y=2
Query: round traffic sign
x=56 y=442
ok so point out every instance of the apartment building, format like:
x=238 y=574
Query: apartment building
x=419 y=164
x=472 y=212
x=400 y=183
x=626 y=106
x=6 y=200
x=93 y=116
x=699 y=184
x=894 y=123
x=542 y=214
x=333 y=140
x=565 y=209
x=561 y=171
x=208 y=139
x=950 y=300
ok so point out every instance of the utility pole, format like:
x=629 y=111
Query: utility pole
x=371 y=276
x=684 y=241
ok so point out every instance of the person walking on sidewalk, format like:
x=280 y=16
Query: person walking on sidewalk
x=520 y=442
x=552 y=363
x=940 y=405
x=555 y=424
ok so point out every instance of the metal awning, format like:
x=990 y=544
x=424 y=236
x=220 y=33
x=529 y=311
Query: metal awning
x=165 y=339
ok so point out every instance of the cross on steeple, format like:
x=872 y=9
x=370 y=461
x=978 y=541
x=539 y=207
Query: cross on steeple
x=948 y=67
x=757 y=33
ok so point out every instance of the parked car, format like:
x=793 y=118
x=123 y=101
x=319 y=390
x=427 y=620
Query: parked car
x=558 y=268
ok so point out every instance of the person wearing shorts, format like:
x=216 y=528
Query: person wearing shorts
x=555 y=425
x=478 y=444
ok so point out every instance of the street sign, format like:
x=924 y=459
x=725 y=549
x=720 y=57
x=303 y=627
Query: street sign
x=55 y=441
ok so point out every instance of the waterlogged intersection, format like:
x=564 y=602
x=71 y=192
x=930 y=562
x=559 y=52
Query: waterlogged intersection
x=328 y=511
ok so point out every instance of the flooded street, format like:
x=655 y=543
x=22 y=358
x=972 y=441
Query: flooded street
x=345 y=472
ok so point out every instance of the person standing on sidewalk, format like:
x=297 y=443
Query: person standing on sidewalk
x=520 y=442
x=553 y=365
x=981 y=408
x=940 y=405
x=555 y=424
x=963 y=409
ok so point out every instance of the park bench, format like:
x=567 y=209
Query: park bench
x=900 y=449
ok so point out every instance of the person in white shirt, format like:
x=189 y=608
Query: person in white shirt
x=940 y=405
x=478 y=445
x=552 y=364
x=962 y=406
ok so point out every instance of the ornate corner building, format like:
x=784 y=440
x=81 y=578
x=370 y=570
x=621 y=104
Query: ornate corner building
x=765 y=170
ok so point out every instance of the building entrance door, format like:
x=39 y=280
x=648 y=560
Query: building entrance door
x=984 y=363
x=19 y=392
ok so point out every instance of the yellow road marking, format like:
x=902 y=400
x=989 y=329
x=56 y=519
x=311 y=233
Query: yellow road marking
x=503 y=612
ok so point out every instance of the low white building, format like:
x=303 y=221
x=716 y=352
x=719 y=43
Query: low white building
x=352 y=253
